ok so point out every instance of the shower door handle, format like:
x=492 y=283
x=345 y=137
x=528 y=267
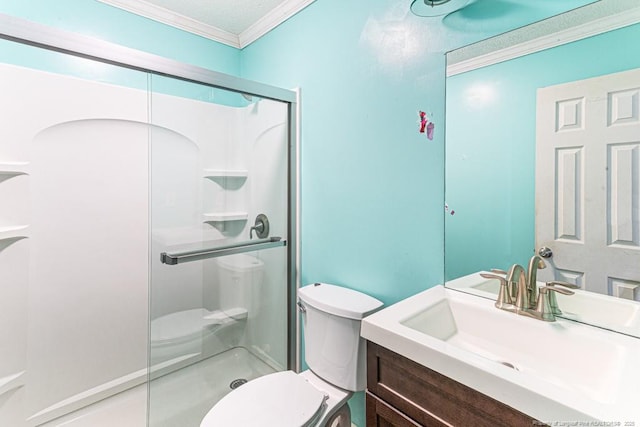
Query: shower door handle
x=173 y=258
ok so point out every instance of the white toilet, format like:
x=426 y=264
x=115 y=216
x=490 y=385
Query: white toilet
x=336 y=356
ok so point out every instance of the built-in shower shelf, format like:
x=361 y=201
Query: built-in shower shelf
x=226 y=173
x=14 y=168
x=13 y=232
x=222 y=317
x=11 y=382
x=225 y=216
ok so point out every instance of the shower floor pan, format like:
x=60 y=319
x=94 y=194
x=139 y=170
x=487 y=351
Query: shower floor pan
x=179 y=399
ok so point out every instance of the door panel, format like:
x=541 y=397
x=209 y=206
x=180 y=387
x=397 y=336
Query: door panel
x=219 y=292
x=588 y=182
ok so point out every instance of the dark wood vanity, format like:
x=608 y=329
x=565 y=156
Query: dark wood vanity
x=402 y=393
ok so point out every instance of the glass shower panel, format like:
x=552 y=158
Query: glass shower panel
x=219 y=277
x=73 y=240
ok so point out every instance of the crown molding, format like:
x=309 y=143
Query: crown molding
x=165 y=16
x=267 y=23
x=554 y=39
x=271 y=20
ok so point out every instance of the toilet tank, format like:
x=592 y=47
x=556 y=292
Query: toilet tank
x=334 y=350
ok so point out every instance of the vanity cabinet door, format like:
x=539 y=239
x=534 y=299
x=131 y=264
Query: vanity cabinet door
x=427 y=398
x=380 y=414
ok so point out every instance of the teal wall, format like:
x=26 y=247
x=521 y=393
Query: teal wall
x=372 y=185
x=372 y=192
x=491 y=146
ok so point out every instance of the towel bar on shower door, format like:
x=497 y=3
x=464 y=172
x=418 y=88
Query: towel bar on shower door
x=173 y=258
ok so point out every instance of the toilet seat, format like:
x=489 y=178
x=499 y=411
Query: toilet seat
x=283 y=399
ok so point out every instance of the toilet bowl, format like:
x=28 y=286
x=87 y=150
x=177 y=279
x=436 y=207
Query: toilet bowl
x=335 y=354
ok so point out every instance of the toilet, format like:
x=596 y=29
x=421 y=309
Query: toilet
x=317 y=397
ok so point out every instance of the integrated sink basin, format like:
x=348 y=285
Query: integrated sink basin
x=602 y=310
x=552 y=371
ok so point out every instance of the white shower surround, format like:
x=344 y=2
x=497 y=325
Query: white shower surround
x=74 y=230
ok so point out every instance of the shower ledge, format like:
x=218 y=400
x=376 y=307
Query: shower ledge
x=14 y=168
x=226 y=173
x=225 y=216
x=14 y=232
x=11 y=382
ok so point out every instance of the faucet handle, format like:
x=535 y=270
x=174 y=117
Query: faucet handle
x=498 y=271
x=551 y=288
x=553 y=301
x=504 y=301
x=565 y=284
x=548 y=293
x=493 y=276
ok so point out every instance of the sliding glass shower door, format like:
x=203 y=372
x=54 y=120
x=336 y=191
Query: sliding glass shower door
x=220 y=250
x=146 y=234
x=73 y=181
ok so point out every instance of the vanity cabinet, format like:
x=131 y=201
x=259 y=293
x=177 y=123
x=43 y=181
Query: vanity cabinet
x=401 y=393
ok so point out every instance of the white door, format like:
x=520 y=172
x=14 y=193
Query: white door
x=588 y=182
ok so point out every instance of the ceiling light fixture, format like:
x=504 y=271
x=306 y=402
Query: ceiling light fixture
x=436 y=7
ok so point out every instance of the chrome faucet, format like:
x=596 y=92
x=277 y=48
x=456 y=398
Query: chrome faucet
x=517 y=276
x=532 y=279
x=521 y=285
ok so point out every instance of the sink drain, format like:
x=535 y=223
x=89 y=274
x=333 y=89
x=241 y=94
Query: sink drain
x=237 y=383
x=509 y=365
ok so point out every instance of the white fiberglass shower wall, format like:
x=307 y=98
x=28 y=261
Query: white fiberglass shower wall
x=74 y=215
x=96 y=181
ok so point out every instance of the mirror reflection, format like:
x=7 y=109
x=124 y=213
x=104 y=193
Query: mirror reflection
x=543 y=157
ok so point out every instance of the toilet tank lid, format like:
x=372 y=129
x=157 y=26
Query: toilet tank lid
x=338 y=300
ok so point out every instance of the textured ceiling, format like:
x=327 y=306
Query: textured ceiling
x=233 y=16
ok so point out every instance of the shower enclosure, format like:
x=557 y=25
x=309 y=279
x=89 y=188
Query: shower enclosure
x=147 y=233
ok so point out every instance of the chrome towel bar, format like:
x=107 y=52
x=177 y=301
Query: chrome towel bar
x=173 y=258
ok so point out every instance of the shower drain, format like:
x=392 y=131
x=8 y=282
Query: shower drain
x=237 y=383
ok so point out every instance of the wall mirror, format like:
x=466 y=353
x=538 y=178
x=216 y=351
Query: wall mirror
x=543 y=150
